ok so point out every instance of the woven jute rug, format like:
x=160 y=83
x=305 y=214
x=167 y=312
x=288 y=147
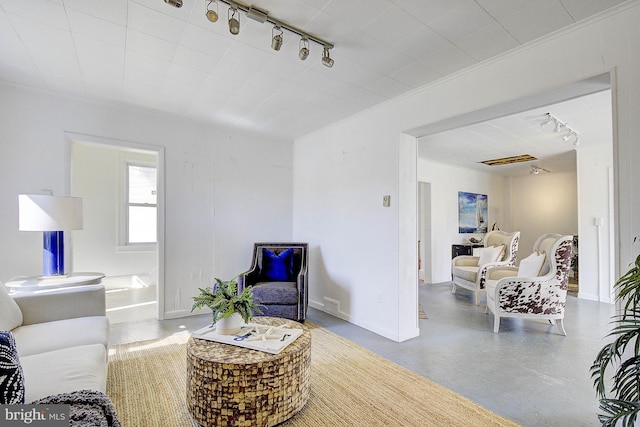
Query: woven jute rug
x=350 y=386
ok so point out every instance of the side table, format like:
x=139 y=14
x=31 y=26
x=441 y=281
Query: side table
x=35 y=284
x=463 y=249
x=234 y=386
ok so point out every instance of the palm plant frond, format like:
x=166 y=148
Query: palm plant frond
x=622 y=356
x=629 y=287
x=618 y=411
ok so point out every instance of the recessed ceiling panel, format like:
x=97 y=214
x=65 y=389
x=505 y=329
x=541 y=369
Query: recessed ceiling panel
x=509 y=160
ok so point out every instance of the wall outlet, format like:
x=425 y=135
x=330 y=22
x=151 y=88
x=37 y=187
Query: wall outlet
x=380 y=299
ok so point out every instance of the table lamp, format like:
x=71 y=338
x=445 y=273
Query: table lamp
x=52 y=215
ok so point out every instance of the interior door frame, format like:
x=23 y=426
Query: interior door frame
x=71 y=137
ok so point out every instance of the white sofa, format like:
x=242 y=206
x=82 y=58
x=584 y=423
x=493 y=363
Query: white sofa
x=61 y=337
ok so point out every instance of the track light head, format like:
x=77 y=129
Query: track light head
x=174 y=3
x=276 y=38
x=304 y=48
x=559 y=125
x=212 y=15
x=326 y=59
x=535 y=170
x=234 y=23
x=562 y=127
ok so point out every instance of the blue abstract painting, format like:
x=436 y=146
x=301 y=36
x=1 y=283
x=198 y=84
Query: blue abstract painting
x=472 y=212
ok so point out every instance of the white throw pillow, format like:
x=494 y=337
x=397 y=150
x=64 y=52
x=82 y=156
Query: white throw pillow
x=531 y=265
x=490 y=254
x=11 y=314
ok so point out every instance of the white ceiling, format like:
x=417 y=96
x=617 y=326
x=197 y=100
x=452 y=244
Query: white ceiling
x=590 y=116
x=149 y=54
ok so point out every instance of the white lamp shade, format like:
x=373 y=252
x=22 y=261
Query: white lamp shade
x=49 y=213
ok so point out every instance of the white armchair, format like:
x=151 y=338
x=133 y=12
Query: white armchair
x=470 y=272
x=512 y=292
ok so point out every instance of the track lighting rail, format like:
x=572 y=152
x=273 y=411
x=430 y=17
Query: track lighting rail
x=561 y=127
x=262 y=16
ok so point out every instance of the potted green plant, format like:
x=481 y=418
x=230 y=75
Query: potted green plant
x=621 y=405
x=228 y=307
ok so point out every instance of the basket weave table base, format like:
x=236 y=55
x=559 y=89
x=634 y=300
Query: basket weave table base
x=235 y=386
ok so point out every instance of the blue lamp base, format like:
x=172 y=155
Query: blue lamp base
x=53 y=253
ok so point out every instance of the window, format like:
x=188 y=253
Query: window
x=141 y=205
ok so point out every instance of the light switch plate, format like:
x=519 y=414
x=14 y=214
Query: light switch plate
x=386 y=201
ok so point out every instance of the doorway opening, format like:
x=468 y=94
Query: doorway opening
x=591 y=160
x=121 y=189
x=424 y=233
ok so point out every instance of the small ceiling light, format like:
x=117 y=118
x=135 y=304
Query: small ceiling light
x=559 y=125
x=212 y=15
x=276 y=38
x=567 y=136
x=548 y=121
x=234 y=23
x=577 y=141
x=535 y=170
x=304 y=48
x=326 y=59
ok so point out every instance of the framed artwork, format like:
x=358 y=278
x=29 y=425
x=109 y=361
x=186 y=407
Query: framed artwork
x=472 y=212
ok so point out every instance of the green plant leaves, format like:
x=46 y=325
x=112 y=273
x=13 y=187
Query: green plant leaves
x=223 y=299
x=618 y=411
x=622 y=355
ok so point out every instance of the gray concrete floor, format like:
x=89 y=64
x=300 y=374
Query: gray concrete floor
x=528 y=373
x=129 y=298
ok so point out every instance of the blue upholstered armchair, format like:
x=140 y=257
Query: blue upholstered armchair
x=278 y=275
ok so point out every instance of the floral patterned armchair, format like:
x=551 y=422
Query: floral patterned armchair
x=540 y=296
x=470 y=272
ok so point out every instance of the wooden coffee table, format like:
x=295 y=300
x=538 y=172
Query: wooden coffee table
x=235 y=386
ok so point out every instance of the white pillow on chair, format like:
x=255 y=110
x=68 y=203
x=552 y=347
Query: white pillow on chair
x=490 y=254
x=531 y=265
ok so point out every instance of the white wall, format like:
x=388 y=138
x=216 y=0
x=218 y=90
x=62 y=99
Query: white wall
x=425 y=272
x=347 y=166
x=545 y=203
x=446 y=181
x=223 y=189
x=595 y=193
x=97 y=177
x=338 y=187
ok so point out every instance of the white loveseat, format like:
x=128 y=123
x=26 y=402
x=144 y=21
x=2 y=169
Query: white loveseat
x=61 y=337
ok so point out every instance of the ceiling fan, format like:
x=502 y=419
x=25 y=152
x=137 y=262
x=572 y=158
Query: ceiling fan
x=535 y=170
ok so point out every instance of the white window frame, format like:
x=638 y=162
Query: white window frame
x=123 y=235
